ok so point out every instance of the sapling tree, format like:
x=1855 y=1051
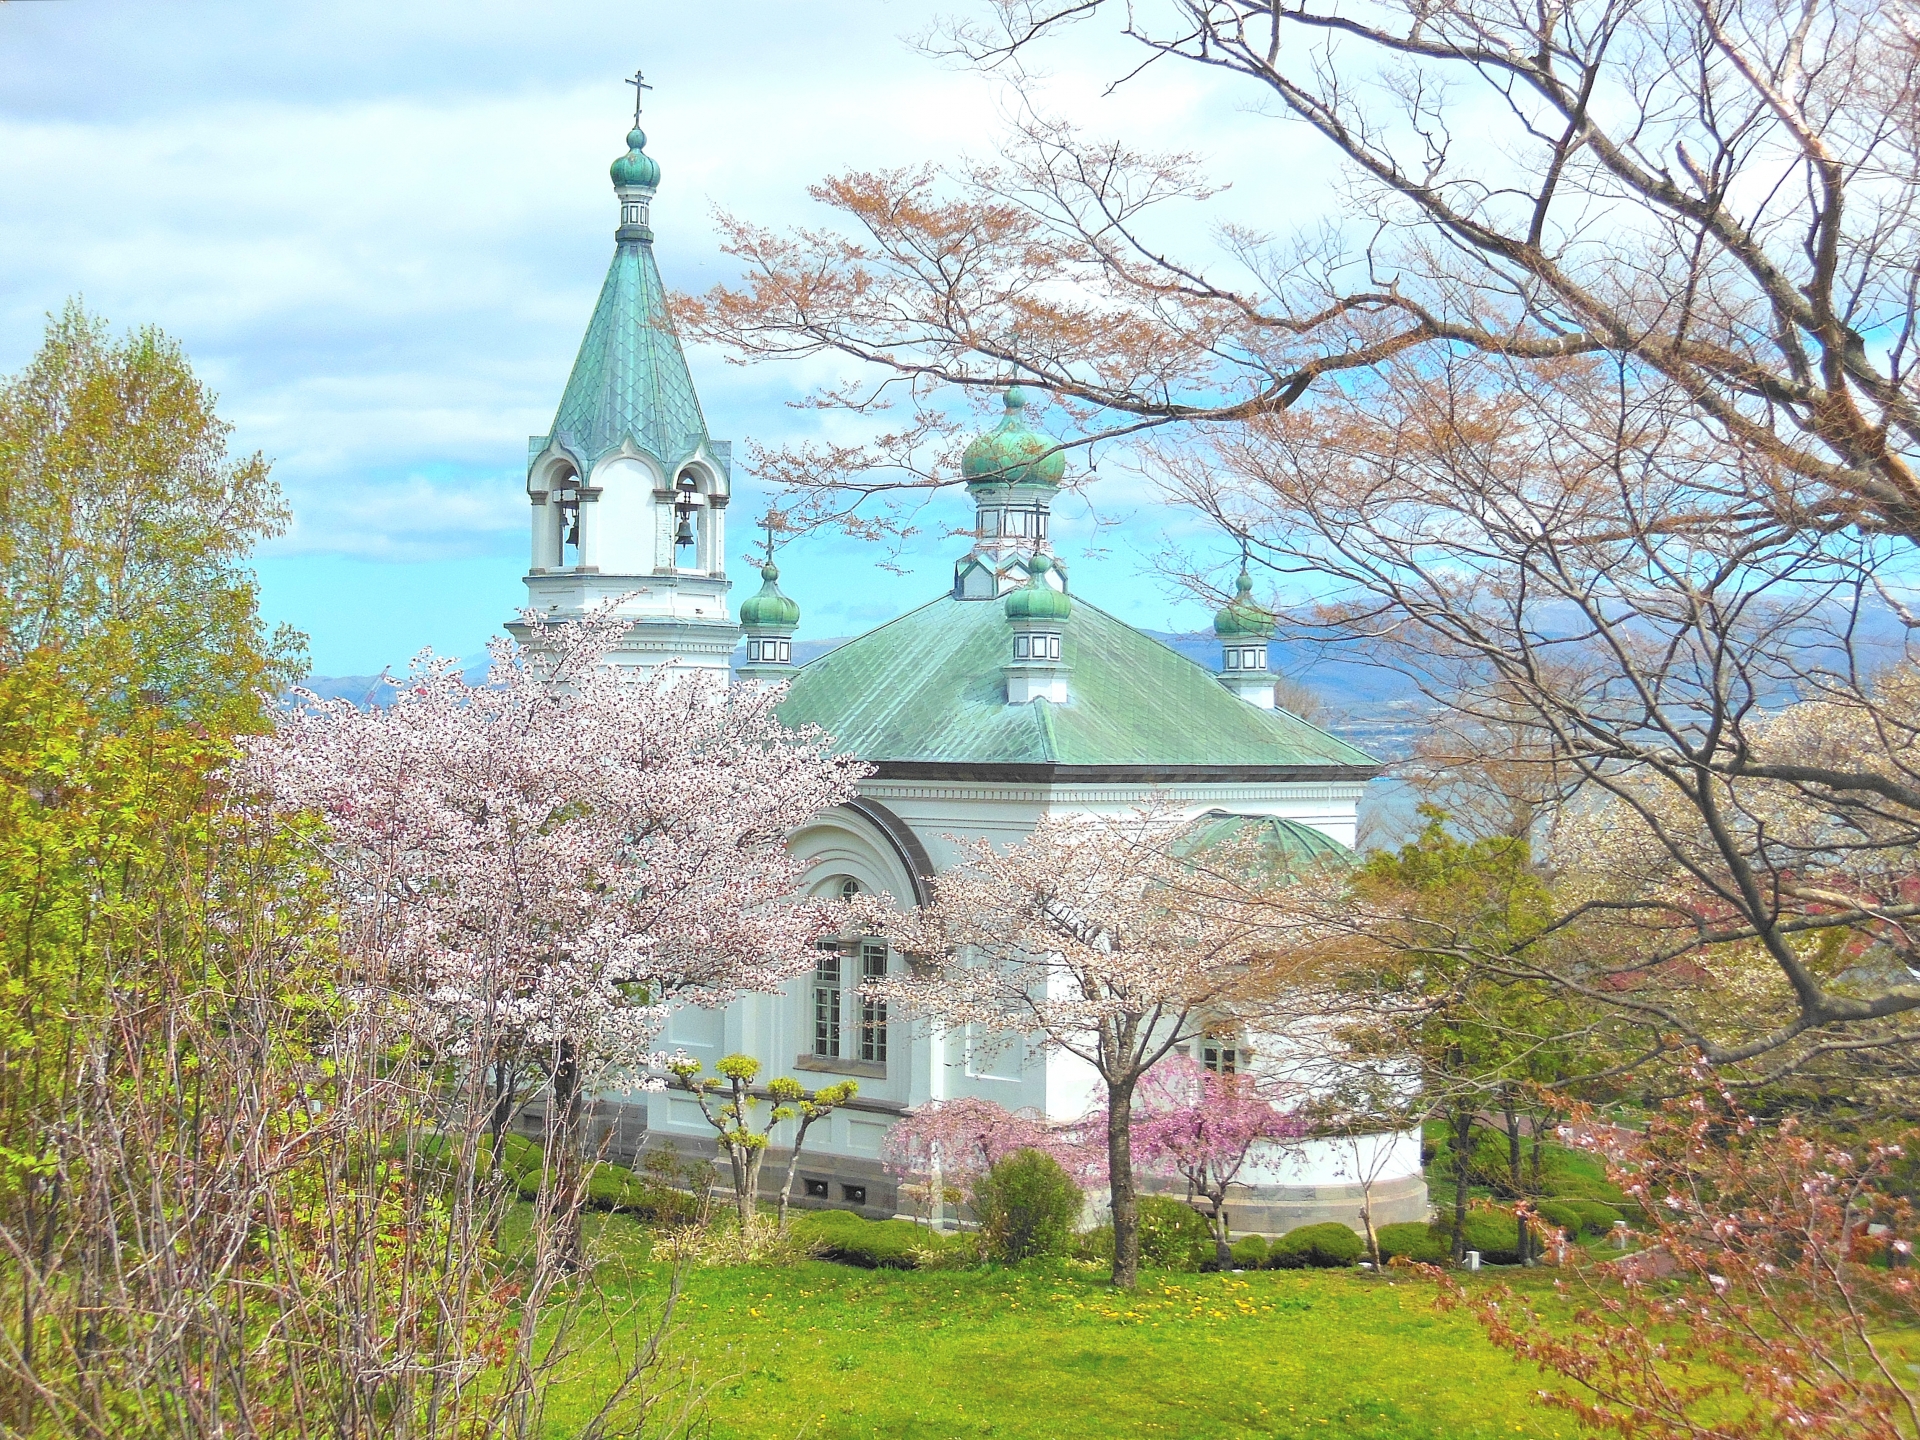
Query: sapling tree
x=744 y=1134
x=541 y=864
x=1202 y=1128
x=1092 y=936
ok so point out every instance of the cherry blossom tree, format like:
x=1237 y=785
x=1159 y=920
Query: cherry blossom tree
x=1775 y=1268
x=1202 y=1127
x=541 y=866
x=1092 y=936
x=943 y=1147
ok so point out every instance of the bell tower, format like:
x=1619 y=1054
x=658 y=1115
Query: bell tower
x=628 y=492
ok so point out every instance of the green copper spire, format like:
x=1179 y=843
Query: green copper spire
x=1013 y=452
x=636 y=167
x=630 y=380
x=1037 y=600
x=770 y=609
x=1240 y=618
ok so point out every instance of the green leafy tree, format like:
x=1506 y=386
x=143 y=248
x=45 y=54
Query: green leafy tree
x=1440 y=906
x=125 y=528
x=744 y=1132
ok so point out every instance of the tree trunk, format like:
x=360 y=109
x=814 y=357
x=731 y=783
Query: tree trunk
x=1217 y=1218
x=560 y=1182
x=1462 y=1125
x=1366 y=1222
x=1126 y=1203
x=1511 y=1114
x=793 y=1169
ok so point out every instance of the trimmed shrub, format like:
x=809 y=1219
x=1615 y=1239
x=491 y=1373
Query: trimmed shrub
x=1412 y=1240
x=1329 y=1246
x=1494 y=1233
x=1173 y=1235
x=1562 y=1215
x=852 y=1239
x=609 y=1186
x=1027 y=1207
x=1596 y=1216
x=1250 y=1252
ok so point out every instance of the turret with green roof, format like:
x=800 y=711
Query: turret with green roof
x=1012 y=471
x=769 y=617
x=1244 y=630
x=1038 y=615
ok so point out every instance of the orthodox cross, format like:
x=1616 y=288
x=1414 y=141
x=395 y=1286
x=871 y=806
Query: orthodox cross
x=767 y=525
x=640 y=88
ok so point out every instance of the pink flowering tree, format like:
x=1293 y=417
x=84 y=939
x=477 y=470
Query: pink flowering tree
x=942 y=1148
x=542 y=866
x=1201 y=1127
x=1096 y=936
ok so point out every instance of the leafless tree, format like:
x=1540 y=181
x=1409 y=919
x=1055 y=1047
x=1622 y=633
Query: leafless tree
x=1594 y=411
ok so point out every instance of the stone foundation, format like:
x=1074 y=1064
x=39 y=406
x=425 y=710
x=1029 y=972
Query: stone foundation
x=619 y=1133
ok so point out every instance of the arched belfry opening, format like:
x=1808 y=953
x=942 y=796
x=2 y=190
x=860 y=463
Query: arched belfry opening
x=699 y=547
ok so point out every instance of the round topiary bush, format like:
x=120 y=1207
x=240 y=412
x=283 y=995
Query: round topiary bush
x=1250 y=1252
x=1027 y=1207
x=1412 y=1240
x=1329 y=1246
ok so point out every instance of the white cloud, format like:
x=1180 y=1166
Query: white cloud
x=379 y=229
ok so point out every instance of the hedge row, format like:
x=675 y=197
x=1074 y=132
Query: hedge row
x=874 y=1244
x=1330 y=1246
x=609 y=1186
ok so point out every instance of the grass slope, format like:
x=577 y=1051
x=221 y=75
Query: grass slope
x=1053 y=1353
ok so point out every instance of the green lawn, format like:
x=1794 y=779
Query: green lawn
x=817 y=1349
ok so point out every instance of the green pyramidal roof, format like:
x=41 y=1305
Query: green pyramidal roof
x=630 y=380
x=929 y=689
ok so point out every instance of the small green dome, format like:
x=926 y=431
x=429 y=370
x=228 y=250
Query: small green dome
x=769 y=610
x=1240 y=618
x=1013 y=453
x=1037 y=600
x=636 y=167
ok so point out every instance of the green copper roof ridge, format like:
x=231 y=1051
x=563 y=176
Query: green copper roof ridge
x=630 y=379
x=1043 y=719
x=1214 y=676
x=873 y=711
x=900 y=619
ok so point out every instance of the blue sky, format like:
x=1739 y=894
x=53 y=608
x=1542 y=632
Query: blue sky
x=379 y=229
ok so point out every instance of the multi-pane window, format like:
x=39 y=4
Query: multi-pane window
x=1036 y=647
x=826 y=1002
x=989 y=524
x=873 y=1013
x=1221 y=1059
x=1252 y=658
x=770 y=652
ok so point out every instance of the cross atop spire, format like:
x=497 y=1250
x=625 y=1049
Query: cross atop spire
x=640 y=88
x=767 y=525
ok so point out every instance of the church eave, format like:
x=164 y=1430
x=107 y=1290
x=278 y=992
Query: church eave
x=1045 y=774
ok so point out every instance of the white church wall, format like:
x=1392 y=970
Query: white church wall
x=623 y=515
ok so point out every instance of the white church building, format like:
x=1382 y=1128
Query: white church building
x=1003 y=698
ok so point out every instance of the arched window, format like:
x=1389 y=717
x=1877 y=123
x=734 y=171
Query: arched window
x=840 y=968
